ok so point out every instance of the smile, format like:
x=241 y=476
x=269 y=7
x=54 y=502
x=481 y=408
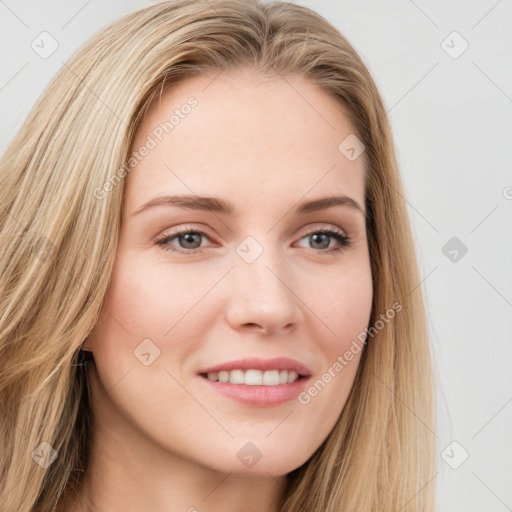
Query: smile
x=253 y=377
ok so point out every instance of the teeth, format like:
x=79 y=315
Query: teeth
x=254 y=377
x=251 y=377
x=236 y=377
x=271 y=378
x=213 y=376
x=292 y=377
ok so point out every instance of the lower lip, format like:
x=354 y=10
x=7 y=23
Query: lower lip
x=259 y=396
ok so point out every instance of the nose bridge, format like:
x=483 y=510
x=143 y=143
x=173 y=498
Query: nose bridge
x=259 y=289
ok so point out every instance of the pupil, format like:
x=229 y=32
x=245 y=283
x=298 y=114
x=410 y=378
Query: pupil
x=325 y=238
x=189 y=239
x=320 y=239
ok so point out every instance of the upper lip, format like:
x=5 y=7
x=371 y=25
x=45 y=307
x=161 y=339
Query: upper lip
x=278 y=363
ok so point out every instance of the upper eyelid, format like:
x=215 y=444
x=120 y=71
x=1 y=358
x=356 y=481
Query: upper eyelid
x=307 y=230
x=343 y=238
x=318 y=226
x=186 y=229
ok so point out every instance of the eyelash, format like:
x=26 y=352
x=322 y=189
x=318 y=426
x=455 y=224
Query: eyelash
x=344 y=241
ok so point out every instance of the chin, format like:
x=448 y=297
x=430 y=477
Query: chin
x=248 y=461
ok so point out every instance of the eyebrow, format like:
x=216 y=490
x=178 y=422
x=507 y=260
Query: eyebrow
x=217 y=205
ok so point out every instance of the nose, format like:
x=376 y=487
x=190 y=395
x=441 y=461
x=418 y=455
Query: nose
x=262 y=297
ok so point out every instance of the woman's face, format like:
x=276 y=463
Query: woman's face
x=263 y=282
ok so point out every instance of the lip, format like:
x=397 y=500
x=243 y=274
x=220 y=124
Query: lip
x=254 y=363
x=259 y=396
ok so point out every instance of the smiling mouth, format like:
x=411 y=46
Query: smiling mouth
x=253 y=377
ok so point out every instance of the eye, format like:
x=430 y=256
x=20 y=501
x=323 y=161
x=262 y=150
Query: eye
x=189 y=240
x=322 y=238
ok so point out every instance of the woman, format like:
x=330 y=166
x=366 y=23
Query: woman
x=210 y=294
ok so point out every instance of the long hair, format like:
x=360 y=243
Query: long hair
x=59 y=231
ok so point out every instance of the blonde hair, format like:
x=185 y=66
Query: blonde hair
x=59 y=241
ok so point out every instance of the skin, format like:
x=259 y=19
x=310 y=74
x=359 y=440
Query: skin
x=162 y=438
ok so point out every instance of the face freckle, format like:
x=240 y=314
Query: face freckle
x=260 y=286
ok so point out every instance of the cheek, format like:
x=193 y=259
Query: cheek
x=145 y=313
x=345 y=305
x=148 y=300
x=149 y=309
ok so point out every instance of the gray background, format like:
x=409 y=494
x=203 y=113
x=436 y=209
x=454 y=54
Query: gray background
x=452 y=122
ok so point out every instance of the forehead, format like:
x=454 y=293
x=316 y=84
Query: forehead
x=244 y=135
